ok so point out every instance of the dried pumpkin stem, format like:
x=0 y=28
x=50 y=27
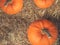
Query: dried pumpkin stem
x=45 y=31
x=7 y=1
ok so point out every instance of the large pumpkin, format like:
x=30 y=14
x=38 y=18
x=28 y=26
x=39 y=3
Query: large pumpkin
x=42 y=32
x=43 y=3
x=12 y=6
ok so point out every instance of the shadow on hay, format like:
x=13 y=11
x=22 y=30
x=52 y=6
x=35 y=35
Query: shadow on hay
x=54 y=20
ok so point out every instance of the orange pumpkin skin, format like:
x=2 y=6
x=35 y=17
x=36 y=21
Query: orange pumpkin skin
x=14 y=7
x=36 y=37
x=2 y=2
x=43 y=3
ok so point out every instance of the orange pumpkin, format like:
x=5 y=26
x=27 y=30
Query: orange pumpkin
x=42 y=32
x=12 y=6
x=2 y=2
x=43 y=3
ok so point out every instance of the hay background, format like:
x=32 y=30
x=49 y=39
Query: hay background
x=13 y=27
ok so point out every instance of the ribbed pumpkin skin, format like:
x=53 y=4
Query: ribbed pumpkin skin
x=14 y=7
x=35 y=35
x=43 y=3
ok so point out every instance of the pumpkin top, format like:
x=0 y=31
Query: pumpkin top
x=42 y=32
x=12 y=6
x=43 y=3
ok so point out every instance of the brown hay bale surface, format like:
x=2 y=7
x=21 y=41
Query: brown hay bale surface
x=13 y=28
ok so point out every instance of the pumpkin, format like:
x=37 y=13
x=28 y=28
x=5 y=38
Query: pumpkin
x=2 y=2
x=42 y=32
x=43 y=3
x=12 y=6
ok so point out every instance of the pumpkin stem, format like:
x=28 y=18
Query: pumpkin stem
x=45 y=31
x=7 y=1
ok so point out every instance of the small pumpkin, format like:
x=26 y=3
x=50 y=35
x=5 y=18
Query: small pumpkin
x=43 y=3
x=12 y=6
x=42 y=32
